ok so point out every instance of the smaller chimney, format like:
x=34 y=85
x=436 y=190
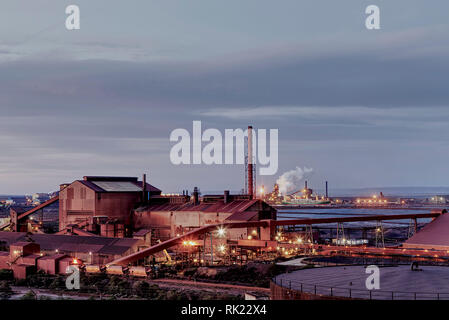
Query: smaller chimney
x=327 y=195
x=226 y=197
x=196 y=199
x=144 y=189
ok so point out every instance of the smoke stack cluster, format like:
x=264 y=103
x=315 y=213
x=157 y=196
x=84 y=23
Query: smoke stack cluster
x=291 y=180
x=250 y=163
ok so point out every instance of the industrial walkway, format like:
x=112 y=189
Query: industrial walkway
x=192 y=235
x=28 y=213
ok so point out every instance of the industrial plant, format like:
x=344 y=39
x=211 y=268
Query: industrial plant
x=129 y=228
x=215 y=159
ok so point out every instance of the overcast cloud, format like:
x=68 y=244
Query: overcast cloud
x=362 y=108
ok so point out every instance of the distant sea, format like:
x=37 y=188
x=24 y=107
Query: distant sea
x=389 y=191
x=342 y=192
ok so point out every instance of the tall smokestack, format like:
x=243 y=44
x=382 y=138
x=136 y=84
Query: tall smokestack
x=327 y=195
x=305 y=185
x=250 y=162
x=144 y=189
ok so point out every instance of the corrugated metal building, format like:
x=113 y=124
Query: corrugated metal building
x=167 y=219
x=90 y=249
x=96 y=197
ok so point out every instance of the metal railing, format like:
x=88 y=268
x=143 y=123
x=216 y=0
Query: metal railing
x=339 y=292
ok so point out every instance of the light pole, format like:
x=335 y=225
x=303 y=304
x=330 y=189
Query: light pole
x=221 y=232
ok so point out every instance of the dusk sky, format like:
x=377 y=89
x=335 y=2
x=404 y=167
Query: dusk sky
x=363 y=108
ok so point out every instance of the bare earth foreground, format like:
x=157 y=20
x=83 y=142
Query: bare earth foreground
x=229 y=288
x=166 y=284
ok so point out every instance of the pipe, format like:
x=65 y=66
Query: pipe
x=250 y=162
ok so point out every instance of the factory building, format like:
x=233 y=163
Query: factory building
x=105 y=204
x=119 y=207
x=89 y=249
x=168 y=217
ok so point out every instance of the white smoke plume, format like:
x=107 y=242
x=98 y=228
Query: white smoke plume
x=289 y=181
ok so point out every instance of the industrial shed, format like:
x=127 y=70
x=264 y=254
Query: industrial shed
x=103 y=198
x=90 y=249
x=168 y=219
